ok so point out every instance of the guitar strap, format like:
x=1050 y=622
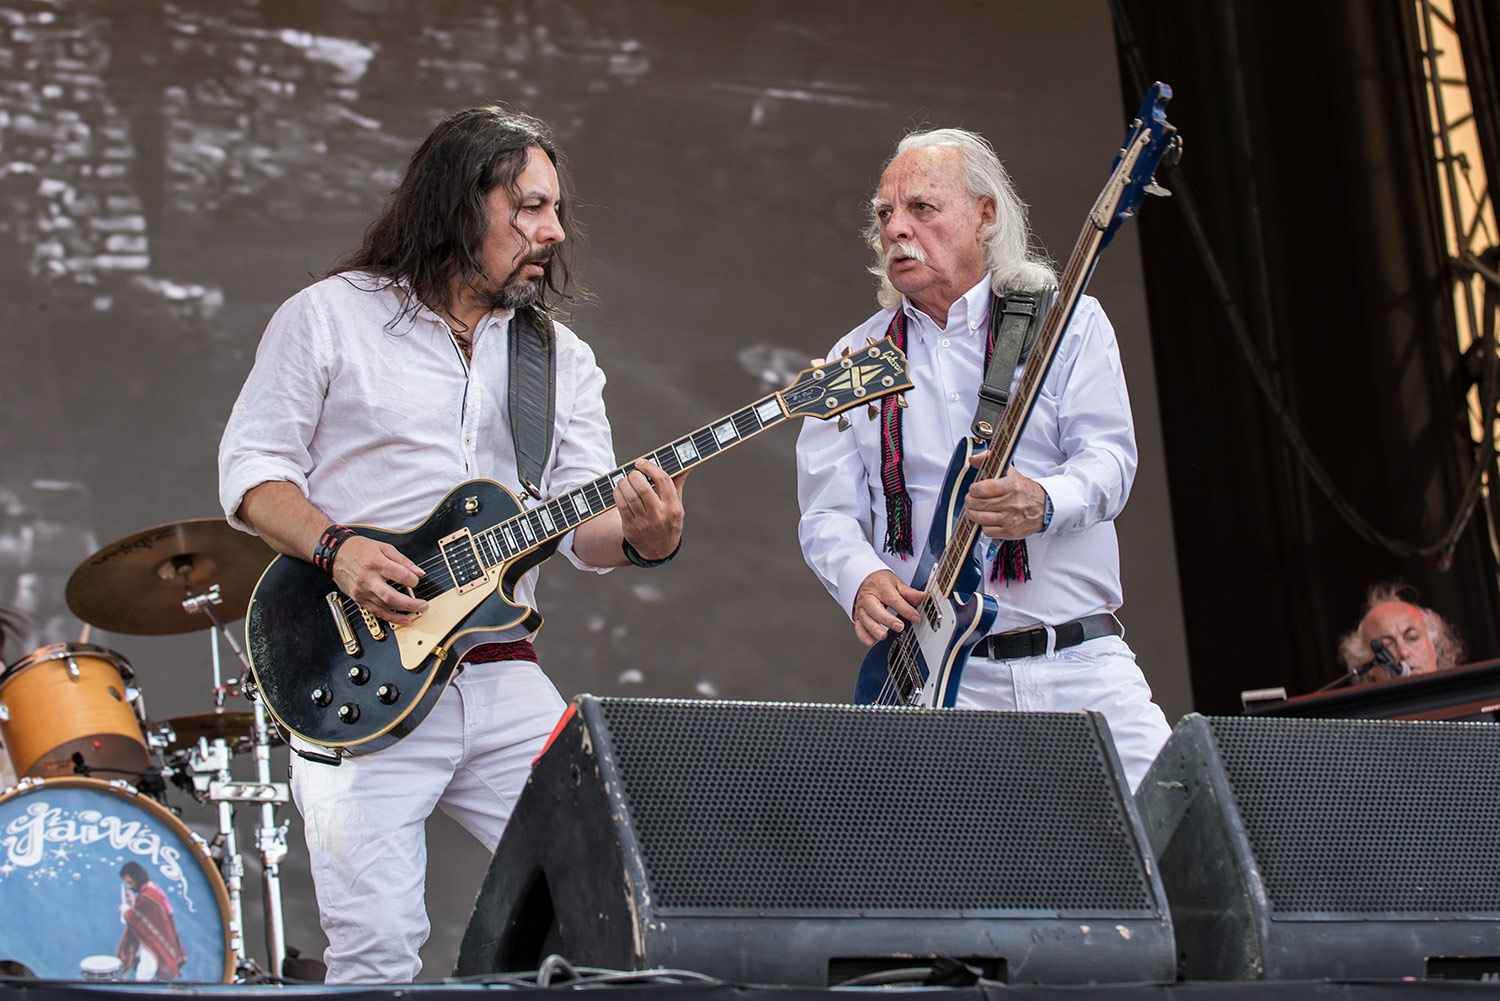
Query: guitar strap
x=533 y=394
x=1015 y=320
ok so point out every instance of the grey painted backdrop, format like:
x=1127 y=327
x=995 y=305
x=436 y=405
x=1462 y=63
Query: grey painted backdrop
x=170 y=171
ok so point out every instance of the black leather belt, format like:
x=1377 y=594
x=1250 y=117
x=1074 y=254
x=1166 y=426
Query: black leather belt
x=1033 y=642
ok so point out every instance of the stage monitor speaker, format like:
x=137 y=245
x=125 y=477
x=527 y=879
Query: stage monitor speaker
x=813 y=844
x=1309 y=849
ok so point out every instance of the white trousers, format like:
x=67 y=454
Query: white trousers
x=1098 y=674
x=365 y=819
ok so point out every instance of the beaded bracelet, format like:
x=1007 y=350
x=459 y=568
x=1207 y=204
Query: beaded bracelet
x=635 y=557
x=328 y=547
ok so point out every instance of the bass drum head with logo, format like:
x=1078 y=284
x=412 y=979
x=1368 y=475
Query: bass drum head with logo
x=90 y=869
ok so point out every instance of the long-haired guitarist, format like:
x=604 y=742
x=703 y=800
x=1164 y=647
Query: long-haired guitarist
x=950 y=234
x=376 y=391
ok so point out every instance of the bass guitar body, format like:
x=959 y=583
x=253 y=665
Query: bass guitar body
x=923 y=664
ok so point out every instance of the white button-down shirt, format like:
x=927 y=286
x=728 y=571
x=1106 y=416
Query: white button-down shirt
x=1079 y=444
x=375 y=415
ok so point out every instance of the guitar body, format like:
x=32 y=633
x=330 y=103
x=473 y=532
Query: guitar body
x=363 y=699
x=923 y=664
x=337 y=676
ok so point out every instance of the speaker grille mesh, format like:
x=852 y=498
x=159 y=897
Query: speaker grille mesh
x=1369 y=816
x=778 y=808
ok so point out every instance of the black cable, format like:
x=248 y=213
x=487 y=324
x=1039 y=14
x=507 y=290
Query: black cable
x=583 y=976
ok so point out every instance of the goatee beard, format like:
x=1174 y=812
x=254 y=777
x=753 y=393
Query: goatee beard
x=518 y=294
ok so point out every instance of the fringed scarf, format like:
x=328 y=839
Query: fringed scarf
x=149 y=923
x=1008 y=558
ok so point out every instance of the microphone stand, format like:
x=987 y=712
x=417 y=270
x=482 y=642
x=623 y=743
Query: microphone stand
x=1382 y=658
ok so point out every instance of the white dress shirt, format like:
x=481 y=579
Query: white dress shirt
x=1079 y=444
x=376 y=415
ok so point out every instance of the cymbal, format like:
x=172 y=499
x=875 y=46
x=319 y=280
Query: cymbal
x=137 y=585
x=230 y=727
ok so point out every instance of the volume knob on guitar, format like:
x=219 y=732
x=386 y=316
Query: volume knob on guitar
x=321 y=696
x=359 y=674
x=387 y=694
x=349 y=713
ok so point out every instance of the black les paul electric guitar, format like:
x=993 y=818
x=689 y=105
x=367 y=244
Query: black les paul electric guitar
x=337 y=676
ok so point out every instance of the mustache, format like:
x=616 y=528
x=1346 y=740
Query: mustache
x=542 y=257
x=902 y=249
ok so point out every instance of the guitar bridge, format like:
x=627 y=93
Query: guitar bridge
x=462 y=559
x=377 y=630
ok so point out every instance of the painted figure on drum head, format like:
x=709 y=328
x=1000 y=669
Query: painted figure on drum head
x=101 y=883
x=150 y=945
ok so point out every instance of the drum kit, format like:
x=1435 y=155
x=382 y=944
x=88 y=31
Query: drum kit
x=99 y=877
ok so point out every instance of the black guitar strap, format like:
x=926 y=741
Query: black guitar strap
x=1015 y=320
x=533 y=394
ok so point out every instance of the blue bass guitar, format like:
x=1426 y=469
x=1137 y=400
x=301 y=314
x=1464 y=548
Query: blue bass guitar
x=923 y=664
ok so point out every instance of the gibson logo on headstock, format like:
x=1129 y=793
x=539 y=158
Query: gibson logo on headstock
x=849 y=381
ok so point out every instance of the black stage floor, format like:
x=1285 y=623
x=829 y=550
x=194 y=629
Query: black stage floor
x=1295 y=990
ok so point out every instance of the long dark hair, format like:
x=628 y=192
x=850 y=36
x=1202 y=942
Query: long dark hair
x=137 y=872
x=435 y=222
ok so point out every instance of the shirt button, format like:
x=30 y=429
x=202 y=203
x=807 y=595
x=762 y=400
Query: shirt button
x=974 y=326
x=953 y=397
x=945 y=342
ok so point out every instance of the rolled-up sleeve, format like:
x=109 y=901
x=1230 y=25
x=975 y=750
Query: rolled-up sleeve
x=271 y=427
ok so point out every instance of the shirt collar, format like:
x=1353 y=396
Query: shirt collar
x=494 y=316
x=967 y=314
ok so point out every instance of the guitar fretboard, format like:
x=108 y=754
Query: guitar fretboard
x=1007 y=436
x=563 y=513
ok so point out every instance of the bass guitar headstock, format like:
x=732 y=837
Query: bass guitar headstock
x=1152 y=140
x=855 y=377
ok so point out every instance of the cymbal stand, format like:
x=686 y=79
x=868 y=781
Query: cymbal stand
x=270 y=837
x=208 y=766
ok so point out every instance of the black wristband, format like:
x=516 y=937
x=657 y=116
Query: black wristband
x=636 y=558
x=328 y=547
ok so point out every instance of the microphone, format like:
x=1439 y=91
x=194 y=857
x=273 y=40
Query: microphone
x=1383 y=658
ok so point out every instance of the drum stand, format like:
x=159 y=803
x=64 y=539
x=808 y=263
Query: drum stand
x=210 y=763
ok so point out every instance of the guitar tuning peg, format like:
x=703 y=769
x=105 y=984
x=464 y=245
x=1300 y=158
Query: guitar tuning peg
x=901 y=401
x=870 y=342
x=816 y=362
x=846 y=352
x=1152 y=188
x=843 y=423
x=874 y=411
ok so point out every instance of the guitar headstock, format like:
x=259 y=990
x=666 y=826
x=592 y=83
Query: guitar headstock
x=1133 y=175
x=838 y=384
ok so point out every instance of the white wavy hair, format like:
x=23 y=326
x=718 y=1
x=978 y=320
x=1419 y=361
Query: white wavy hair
x=1009 y=253
x=1354 y=651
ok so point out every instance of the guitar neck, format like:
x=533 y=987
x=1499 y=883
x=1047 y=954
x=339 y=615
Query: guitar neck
x=1007 y=436
x=560 y=515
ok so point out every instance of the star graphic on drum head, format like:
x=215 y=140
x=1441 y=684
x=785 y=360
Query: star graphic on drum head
x=61 y=854
x=7 y=869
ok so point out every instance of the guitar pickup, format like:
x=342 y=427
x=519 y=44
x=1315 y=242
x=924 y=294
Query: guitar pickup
x=341 y=622
x=462 y=558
